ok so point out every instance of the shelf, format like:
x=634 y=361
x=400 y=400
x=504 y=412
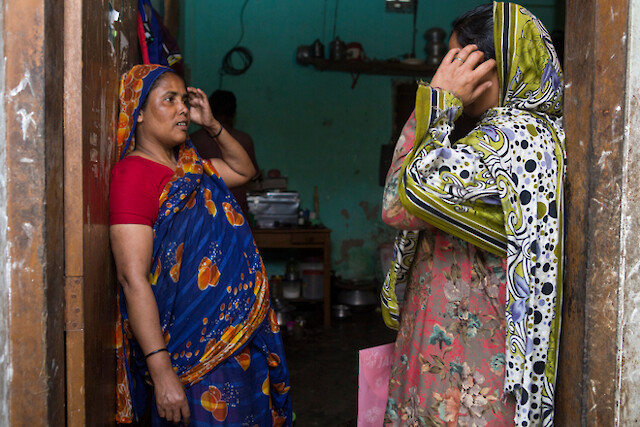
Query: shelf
x=388 y=68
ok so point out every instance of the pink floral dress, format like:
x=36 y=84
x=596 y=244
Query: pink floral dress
x=450 y=351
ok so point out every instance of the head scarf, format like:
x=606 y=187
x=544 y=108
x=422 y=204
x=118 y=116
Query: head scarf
x=507 y=200
x=134 y=88
x=529 y=71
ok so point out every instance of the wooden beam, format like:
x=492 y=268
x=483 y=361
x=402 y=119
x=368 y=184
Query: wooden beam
x=595 y=64
x=34 y=210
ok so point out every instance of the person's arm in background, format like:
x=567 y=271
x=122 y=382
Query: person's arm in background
x=132 y=246
x=234 y=166
x=393 y=213
x=249 y=147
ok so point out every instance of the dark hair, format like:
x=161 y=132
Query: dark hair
x=223 y=103
x=476 y=27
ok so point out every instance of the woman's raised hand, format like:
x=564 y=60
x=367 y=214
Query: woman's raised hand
x=463 y=73
x=200 y=110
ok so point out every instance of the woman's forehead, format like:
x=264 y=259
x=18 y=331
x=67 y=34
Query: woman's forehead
x=170 y=82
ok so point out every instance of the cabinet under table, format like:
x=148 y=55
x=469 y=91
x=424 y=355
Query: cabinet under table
x=302 y=238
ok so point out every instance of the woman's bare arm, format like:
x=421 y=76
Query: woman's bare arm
x=132 y=246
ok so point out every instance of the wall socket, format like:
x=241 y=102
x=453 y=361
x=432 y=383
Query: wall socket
x=402 y=6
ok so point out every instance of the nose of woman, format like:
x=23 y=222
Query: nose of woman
x=183 y=107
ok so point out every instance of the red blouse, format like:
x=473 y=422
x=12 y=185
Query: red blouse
x=136 y=185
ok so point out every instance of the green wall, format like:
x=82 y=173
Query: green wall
x=312 y=125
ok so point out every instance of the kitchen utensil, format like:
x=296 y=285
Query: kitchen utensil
x=357 y=297
x=283 y=311
x=355 y=52
x=303 y=52
x=436 y=48
x=340 y=311
x=337 y=50
x=291 y=288
x=317 y=49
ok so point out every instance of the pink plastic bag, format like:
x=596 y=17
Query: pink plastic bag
x=373 y=384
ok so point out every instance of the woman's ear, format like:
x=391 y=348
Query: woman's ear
x=140 y=117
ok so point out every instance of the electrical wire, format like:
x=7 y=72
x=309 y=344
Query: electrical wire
x=413 y=35
x=324 y=21
x=243 y=53
x=335 y=18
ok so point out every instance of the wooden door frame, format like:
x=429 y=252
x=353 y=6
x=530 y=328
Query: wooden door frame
x=595 y=65
x=100 y=42
x=594 y=121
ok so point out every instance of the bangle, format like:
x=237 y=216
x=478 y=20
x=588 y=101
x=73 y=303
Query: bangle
x=219 y=132
x=155 y=351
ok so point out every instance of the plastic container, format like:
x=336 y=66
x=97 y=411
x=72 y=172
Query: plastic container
x=312 y=272
x=291 y=289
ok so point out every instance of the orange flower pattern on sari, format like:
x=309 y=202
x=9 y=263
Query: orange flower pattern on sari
x=273 y=321
x=124 y=412
x=273 y=360
x=209 y=169
x=175 y=270
x=153 y=277
x=236 y=219
x=244 y=358
x=277 y=420
x=208 y=274
x=211 y=400
x=211 y=206
x=281 y=388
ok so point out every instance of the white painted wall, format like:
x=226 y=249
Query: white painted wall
x=5 y=291
x=628 y=405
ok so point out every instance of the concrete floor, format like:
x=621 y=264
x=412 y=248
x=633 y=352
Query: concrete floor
x=323 y=364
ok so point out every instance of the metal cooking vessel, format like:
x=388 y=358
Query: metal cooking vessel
x=357 y=297
x=340 y=310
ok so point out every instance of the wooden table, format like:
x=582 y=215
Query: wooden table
x=302 y=238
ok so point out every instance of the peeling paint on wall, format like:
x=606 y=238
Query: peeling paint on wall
x=25 y=119
x=6 y=371
x=371 y=213
x=628 y=355
x=346 y=246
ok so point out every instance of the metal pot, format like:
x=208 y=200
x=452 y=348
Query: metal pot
x=357 y=297
x=283 y=311
x=283 y=317
x=340 y=311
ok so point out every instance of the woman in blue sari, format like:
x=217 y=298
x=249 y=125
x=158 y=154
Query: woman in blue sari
x=195 y=327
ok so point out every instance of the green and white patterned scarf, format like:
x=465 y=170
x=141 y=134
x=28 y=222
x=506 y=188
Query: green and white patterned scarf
x=501 y=189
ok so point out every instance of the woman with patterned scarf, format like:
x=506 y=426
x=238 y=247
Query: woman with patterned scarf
x=195 y=335
x=480 y=251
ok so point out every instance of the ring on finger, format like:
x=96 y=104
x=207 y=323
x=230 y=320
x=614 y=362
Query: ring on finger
x=459 y=59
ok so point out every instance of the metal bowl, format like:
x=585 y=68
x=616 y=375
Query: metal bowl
x=357 y=297
x=340 y=311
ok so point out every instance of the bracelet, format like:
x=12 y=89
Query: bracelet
x=156 y=351
x=219 y=132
